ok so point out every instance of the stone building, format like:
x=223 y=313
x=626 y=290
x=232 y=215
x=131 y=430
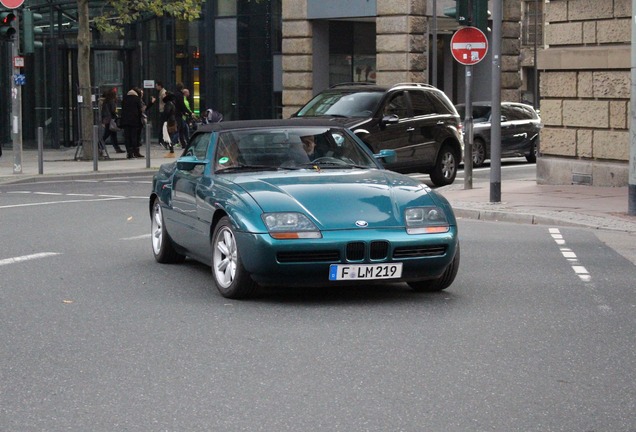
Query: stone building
x=393 y=39
x=585 y=92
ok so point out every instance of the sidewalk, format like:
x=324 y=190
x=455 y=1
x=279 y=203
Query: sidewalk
x=522 y=201
x=60 y=164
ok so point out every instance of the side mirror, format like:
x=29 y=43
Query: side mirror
x=390 y=119
x=386 y=156
x=188 y=163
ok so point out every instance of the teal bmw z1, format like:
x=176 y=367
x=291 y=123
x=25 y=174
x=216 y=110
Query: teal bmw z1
x=299 y=203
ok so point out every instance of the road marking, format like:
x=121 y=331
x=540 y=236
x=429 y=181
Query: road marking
x=583 y=274
x=48 y=193
x=60 y=202
x=23 y=258
x=139 y=237
x=567 y=253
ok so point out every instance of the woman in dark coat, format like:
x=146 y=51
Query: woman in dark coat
x=169 y=117
x=109 y=112
x=132 y=109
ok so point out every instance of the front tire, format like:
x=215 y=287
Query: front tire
x=445 y=168
x=441 y=283
x=162 y=246
x=531 y=157
x=230 y=277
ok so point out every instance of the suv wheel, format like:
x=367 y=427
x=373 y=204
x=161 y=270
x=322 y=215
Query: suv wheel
x=479 y=153
x=446 y=166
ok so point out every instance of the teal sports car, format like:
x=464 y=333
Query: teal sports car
x=299 y=203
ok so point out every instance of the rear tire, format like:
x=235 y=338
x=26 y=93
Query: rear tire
x=446 y=167
x=162 y=245
x=230 y=277
x=441 y=283
x=479 y=153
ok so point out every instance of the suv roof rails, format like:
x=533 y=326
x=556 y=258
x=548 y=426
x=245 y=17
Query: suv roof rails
x=414 y=84
x=360 y=83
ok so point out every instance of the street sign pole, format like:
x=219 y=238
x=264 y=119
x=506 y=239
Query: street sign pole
x=16 y=104
x=468 y=130
x=631 y=190
x=469 y=46
x=495 y=122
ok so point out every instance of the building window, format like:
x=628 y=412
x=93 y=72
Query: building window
x=532 y=22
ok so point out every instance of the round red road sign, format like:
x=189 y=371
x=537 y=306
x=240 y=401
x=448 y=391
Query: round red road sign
x=12 y=4
x=469 y=45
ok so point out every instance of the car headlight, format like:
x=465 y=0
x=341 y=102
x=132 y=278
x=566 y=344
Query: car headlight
x=426 y=220
x=290 y=225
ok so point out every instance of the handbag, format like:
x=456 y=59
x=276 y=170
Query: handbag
x=114 y=124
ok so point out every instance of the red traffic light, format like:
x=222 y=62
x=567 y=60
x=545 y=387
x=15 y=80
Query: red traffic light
x=7 y=30
x=6 y=18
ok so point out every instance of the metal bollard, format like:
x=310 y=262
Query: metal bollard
x=95 y=146
x=40 y=150
x=148 y=131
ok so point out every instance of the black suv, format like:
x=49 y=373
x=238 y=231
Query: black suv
x=520 y=126
x=416 y=120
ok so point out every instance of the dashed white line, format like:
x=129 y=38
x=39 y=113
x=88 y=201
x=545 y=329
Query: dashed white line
x=139 y=237
x=567 y=253
x=23 y=258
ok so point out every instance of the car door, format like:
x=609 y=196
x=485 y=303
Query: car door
x=188 y=183
x=513 y=134
x=393 y=134
x=430 y=119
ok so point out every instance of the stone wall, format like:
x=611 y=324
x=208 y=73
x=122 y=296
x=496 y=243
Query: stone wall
x=402 y=50
x=585 y=92
x=297 y=58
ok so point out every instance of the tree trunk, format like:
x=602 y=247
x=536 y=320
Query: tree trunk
x=84 y=77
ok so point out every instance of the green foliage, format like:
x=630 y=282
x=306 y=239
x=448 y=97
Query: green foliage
x=119 y=13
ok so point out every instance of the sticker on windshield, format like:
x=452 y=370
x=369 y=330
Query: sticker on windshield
x=224 y=160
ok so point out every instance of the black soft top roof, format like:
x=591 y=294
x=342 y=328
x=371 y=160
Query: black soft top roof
x=249 y=124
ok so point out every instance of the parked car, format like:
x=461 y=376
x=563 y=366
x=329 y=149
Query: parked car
x=416 y=120
x=520 y=126
x=247 y=199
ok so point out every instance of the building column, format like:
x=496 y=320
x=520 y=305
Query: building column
x=297 y=56
x=402 y=49
x=510 y=51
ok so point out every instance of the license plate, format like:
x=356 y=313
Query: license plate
x=365 y=272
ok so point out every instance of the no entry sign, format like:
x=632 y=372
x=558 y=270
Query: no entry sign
x=469 y=45
x=12 y=4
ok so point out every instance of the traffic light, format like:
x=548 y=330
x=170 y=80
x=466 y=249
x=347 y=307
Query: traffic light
x=7 y=29
x=29 y=19
x=470 y=13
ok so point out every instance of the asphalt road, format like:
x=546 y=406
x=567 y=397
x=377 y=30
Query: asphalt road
x=536 y=333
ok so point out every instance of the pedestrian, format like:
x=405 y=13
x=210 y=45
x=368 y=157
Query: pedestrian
x=109 y=118
x=160 y=95
x=169 y=128
x=144 y=114
x=132 y=122
x=184 y=114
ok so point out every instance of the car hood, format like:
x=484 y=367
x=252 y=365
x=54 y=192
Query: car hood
x=337 y=199
x=348 y=122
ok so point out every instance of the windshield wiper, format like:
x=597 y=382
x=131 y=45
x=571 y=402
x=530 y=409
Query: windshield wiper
x=246 y=167
x=336 y=165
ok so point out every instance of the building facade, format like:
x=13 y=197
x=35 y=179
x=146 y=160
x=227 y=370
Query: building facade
x=585 y=92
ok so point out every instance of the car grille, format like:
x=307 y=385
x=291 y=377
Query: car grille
x=419 y=251
x=357 y=251
x=287 y=257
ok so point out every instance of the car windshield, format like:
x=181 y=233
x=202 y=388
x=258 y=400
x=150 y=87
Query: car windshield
x=339 y=104
x=289 y=149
